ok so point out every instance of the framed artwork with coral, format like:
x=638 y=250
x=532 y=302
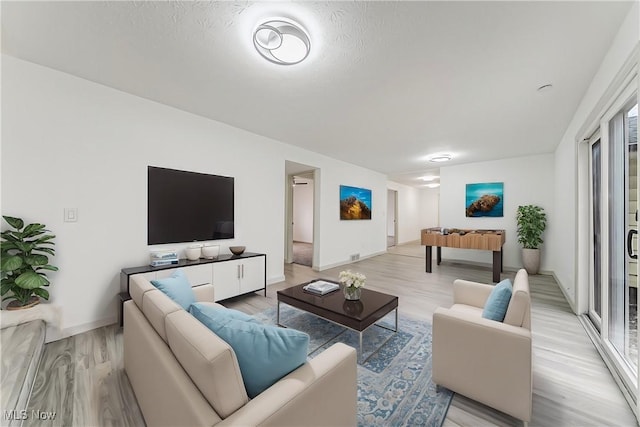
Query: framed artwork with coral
x=355 y=203
x=485 y=199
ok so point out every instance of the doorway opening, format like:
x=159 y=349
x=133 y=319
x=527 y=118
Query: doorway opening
x=301 y=244
x=392 y=215
x=303 y=219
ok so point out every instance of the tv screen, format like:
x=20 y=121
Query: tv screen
x=188 y=206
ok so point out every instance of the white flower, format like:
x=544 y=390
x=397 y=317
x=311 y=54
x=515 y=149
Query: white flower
x=351 y=279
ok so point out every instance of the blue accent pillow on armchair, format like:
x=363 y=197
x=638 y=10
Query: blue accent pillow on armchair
x=265 y=353
x=496 y=306
x=177 y=287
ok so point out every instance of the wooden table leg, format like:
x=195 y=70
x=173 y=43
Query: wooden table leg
x=439 y=254
x=428 y=256
x=497 y=265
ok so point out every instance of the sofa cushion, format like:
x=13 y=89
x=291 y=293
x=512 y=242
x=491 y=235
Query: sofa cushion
x=519 y=311
x=204 y=307
x=177 y=287
x=209 y=362
x=265 y=353
x=155 y=307
x=138 y=286
x=496 y=306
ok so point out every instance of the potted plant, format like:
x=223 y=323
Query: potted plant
x=25 y=254
x=531 y=224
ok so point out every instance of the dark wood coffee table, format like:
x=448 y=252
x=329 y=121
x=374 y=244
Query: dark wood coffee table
x=355 y=315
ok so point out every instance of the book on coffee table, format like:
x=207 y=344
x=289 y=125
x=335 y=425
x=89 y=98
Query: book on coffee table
x=320 y=287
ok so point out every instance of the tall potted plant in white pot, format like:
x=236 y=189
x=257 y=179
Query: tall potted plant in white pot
x=532 y=222
x=24 y=253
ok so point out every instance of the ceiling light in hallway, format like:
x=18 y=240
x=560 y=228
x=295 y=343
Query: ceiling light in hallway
x=440 y=158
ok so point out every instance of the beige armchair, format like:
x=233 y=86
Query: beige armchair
x=482 y=359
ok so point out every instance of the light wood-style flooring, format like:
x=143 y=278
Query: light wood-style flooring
x=82 y=377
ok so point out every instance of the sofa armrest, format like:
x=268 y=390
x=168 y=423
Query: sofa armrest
x=471 y=293
x=323 y=391
x=483 y=359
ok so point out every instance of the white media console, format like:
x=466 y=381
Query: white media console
x=230 y=275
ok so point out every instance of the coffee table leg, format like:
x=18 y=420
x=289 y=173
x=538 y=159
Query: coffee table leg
x=278 y=315
x=396 y=329
x=361 y=353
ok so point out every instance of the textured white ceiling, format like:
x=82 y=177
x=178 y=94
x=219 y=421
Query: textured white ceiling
x=386 y=83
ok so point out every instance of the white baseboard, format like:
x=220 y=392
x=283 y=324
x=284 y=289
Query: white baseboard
x=277 y=279
x=54 y=334
x=341 y=263
x=564 y=292
x=407 y=242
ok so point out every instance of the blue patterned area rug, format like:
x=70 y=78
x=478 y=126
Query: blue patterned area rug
x=394 y=383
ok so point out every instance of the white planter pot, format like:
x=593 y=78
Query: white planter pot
x=531 y=260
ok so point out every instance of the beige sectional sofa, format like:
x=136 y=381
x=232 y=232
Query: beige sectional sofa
x=185 y=375
x=483 y=359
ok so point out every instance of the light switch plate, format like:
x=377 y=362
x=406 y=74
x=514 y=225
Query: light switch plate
x=70 y=214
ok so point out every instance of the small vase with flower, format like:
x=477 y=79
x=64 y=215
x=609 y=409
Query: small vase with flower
x=352 y=283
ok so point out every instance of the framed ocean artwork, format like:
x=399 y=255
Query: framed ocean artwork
x=355 y=203
x=485 y=199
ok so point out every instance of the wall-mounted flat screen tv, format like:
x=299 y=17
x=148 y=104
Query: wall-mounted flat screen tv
x=188 y=206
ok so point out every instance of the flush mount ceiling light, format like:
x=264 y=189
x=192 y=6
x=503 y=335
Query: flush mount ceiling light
x=440 y=158
x=282 y=42
x=434 y=185
x=429 y=177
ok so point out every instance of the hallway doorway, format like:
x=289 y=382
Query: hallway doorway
x=303 y=219
x=301 y=216
x=392 y=215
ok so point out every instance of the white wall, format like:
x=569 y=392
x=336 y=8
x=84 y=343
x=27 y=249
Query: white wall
x=527 y=181
x=91 y=146
x=303 y=211
x=565 y=194
x=429 y=207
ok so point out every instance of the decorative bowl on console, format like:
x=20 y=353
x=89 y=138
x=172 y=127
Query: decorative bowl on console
x=193 y=252
x=210 y=251
x=237 y=250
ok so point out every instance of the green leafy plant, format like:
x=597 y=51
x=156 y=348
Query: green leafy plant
x=25 y=254
x=531 y=224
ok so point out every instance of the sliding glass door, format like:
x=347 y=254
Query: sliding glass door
x=595 y=276
x=613 y=276
x=623 y=208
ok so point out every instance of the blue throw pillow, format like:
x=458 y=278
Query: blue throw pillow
x=204 y=307
x=496 y=306
x=265 y=353
x=177 y=287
